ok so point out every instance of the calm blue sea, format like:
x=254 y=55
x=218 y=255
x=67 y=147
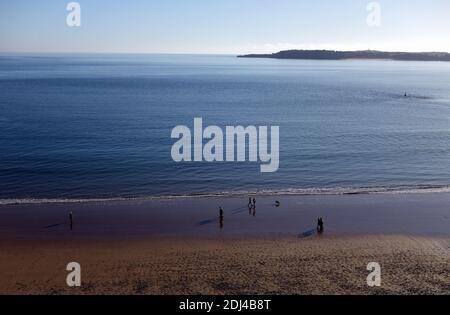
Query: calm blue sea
x=98 y=126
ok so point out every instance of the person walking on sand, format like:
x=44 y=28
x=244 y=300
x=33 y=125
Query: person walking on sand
x=221 y=217
x=71 y=220
x=254 y=202
x=320 y=225
x=250 y=204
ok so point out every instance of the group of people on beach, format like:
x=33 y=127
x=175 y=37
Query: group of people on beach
x=251 y=206
x=252 y=209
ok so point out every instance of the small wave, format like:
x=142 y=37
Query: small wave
x=262 y=192
x=14 y=201
x=411 y=96
x=345 y=191
x=365 y=190
x=420 y=97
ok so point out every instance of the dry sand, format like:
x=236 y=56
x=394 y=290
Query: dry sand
x=276 y=265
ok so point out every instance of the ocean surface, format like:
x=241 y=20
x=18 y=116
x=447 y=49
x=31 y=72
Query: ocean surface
x=76 y=127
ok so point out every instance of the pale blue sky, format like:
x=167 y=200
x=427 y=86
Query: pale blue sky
x=222 y=26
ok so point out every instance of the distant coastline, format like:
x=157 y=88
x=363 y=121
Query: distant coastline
x=361 y=54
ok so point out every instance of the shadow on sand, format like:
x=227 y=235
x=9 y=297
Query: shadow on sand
x=54 y=225
x=307 y=233
x=234 y=211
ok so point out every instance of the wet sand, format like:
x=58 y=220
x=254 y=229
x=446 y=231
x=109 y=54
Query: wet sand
x=176 y=246
x=417 y=214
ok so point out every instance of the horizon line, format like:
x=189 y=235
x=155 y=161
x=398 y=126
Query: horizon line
x=209 y=53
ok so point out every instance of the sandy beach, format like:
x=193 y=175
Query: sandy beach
x=319 y=265
x=177 y=247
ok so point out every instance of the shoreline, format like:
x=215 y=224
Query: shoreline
x=410 y=214
x=274 y=193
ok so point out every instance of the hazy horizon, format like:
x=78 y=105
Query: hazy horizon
x=223 y=27
x=188 y=53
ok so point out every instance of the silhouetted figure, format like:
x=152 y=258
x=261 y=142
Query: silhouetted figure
x=320 y=225
x=221 y=217
x=253 y=207
x=250 y=205
x=71 y=220
x=406 y=94
x=277 y=203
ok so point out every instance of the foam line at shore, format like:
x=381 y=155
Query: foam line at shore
x=281 y=192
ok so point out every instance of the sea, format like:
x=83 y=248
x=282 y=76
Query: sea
x=80 y=127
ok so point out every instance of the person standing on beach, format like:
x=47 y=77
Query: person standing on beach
x=221 y=217
x=254 y=202
x=250 y=205
x=71 y=220
x=320 y=225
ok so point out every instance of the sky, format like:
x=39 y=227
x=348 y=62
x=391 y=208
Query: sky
x=223 y=26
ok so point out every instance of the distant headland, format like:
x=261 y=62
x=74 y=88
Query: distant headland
x=361 y=54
